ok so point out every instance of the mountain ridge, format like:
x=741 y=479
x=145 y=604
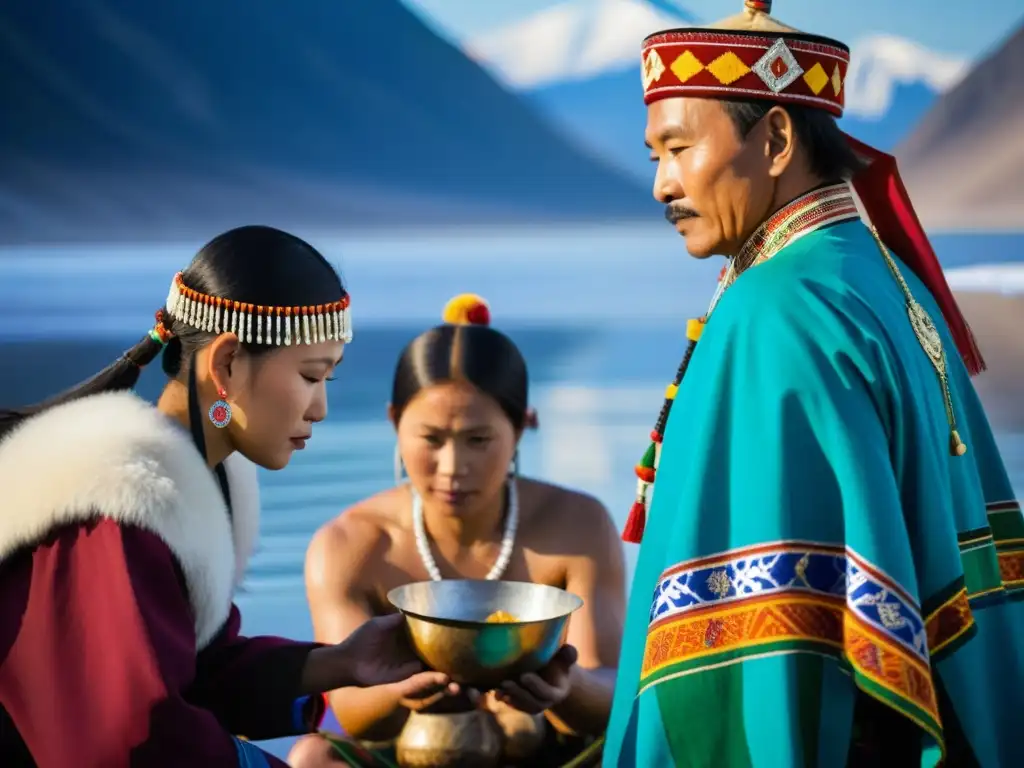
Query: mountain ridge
x=125 y=121
x=964 y=161
x=577 y=40
x=569 y=41
x=595 y=99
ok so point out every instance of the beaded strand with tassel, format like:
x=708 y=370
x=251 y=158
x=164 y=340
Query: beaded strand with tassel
x=648 y=466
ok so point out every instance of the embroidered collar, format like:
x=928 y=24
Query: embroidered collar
x=808 y=213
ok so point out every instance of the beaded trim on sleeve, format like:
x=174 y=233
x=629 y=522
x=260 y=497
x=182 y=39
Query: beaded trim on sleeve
x=258 y=324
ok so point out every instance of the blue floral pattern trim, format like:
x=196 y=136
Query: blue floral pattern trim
x=762 y=571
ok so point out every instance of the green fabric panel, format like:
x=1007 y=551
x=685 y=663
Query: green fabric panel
x=703 y=719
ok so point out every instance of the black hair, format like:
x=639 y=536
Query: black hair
x=475 y=354
x=253 y=264
x=831 y=159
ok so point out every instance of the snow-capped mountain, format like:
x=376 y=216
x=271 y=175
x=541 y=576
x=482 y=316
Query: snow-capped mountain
x=890 y=86
x=578 y=62
x=881 y=63
x=571 y=41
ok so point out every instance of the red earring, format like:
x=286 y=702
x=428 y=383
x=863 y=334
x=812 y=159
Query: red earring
x=220 y=411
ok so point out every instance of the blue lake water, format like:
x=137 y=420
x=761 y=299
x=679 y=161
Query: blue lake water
x=595 y=275
x=599 y=318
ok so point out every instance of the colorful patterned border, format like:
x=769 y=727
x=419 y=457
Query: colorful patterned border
x=1007 y=524
x=993 y=568
x=1011 y=569
x=709 y=63
x=796 y=597
x=980 y=561
x=822 y=571
x=950 y=622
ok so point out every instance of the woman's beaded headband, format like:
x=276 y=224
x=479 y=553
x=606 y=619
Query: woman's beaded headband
x=276 y=326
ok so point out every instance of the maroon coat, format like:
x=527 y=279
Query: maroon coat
x=119 y=642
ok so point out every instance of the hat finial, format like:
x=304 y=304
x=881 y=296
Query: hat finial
x=763 y=6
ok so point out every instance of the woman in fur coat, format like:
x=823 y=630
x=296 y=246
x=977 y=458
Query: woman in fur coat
x=125 y=528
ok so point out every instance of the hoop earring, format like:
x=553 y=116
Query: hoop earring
x=399 y=467
x=220 y=411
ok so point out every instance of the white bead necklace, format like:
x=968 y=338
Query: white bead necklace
x=508 y=537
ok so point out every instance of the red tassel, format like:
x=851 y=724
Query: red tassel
x=635 y=523
x=888 y=206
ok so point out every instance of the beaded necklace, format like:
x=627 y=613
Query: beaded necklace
x=508 y=536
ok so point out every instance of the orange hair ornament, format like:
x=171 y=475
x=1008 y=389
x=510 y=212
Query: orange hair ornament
x=471 y=309
x=467 y=309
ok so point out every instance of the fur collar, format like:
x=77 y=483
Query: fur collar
x=116 y=456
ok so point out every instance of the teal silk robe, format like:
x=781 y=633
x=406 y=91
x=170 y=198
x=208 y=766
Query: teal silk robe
x=810 y=534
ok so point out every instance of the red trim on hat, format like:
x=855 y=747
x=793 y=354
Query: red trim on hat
x=702 y=55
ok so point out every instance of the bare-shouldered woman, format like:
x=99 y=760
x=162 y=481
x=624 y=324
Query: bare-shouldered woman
x=459 y=406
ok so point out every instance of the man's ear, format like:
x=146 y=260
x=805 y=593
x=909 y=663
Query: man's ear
x=220 y=360
x=780 y=140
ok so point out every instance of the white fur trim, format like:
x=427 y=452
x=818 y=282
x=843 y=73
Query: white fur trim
x=244 y=487
x=116 y=456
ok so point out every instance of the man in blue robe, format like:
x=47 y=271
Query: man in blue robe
x=832 y=555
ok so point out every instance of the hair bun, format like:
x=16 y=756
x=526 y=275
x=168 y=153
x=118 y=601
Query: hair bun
x=467 y=309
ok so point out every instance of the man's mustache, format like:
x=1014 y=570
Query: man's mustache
x=676 y=213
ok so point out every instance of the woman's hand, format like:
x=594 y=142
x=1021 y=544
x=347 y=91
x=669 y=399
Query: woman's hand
x=380 y=652
x=377 y=653
x=537 y=692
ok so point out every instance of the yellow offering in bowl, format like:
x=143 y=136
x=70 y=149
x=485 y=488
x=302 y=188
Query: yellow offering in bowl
x=501 y=617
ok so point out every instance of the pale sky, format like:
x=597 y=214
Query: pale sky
x=961 y=28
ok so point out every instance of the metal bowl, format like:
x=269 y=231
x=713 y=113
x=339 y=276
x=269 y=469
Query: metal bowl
x=447 y=623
